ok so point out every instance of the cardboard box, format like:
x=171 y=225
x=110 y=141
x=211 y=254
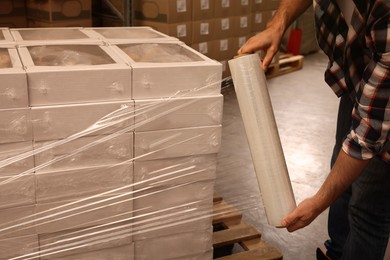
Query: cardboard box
x=203 y=30
x=52 y=10
x=173 y=143
x=242 y=25
x=160 y=69
x=74 y=73
x=83 y=182
x=260 y=20
x=13 y=87
x=264 y=5
x=225 y=8
x=16 y=158
x=141 y=34
x=224 y=27
x=162 y=114
x=181 y=31
x=206 y=48
x=175 y=171
x=59 y=35
x=75 y=121
x=15 y=125
x=17 y=191
x=17 y=222
x=177 y=246
x=117 y=253
x=163 y=11
x=85 y=241
x=86 y=212
x=83 y=152
x=242 y=7
x=32 y=23
x=225 y=49
x=202 y=9
x=12 y=13
x=19 y=246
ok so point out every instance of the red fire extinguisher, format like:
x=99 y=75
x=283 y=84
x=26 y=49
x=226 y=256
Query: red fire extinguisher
x=294 y=39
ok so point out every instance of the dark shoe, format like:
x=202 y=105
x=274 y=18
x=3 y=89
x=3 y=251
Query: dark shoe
x=321 y=255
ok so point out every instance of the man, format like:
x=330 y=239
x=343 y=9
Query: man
x=355 y=35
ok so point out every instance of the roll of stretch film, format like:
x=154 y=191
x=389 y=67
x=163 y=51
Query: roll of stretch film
x=260 y=126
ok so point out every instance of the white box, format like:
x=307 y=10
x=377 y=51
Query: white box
x=74 y=73
x=15 y=125
x=171 y=113
x=16 y=158
x=13 y=88
x=54 y=34
x=57 y=122
x=188 y=217
x=115 y=253
x=175 y=246
x=175 y=171
x=17 y=191
x=170 y=70
x=19 y=246
x=84 y=152
x=156 y=200
x=16 y=222
x=135 y=34
x=87 y=212
x=172 y=143
x=80 y=183
x=5 y=36
x=64 y=244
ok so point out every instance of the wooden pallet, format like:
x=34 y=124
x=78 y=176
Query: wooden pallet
x=230 y=229
x=286 y=63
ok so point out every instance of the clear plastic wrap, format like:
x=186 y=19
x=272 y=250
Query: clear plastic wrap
x=128 y=178
x=49 y=34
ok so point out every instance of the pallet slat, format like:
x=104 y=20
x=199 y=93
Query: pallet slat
x=287 y=63
x=235 y=234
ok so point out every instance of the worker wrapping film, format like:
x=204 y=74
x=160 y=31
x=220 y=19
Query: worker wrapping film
x=354 y=35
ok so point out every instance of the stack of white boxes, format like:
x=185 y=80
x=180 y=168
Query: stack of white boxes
x=124 y=144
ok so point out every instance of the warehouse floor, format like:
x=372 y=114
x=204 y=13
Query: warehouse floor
x=305 y=111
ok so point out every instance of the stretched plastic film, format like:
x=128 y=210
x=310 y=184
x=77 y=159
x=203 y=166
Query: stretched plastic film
x=125 y=177
x=263 y=138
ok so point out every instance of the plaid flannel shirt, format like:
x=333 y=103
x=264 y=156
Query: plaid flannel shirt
x=359 y=62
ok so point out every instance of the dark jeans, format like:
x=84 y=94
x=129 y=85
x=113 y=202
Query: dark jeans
x=359 y=221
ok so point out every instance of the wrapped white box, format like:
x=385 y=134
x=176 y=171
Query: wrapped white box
x=84 y=152
x=74 y=73
x=172 y=143
x=188 y=217
x=86 y=212
x=170 y=69
x=160 y=198
x=80 y=183
x=13 y=88
x=17 y=191
x=15 y=125
x=116 y=253
x=171 y=113
x=177 y=246
x=135 y=34
x=16 y=158
x=175 y=171
x=17 y=222
x=53 y=34
x=57 y=122
x=85 y=241
x=19 y=246
x=5 y=36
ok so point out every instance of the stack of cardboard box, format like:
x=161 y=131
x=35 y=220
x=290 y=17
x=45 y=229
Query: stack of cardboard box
x=112 y=153
x=13 y=13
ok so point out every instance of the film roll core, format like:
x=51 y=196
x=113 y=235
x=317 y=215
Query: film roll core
x=260 y=126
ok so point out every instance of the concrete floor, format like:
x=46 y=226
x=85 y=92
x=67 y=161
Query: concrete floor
x=305 y=111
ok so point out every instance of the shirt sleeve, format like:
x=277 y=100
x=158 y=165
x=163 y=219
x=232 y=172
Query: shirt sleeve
x=371 y=113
